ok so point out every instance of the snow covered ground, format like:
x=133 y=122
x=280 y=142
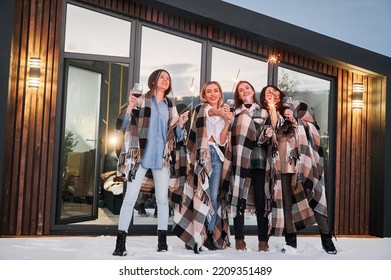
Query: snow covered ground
x=144 y=248
x=91 y=258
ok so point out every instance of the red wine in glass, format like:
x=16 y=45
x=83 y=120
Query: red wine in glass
x=138 y=90
x=248 y=105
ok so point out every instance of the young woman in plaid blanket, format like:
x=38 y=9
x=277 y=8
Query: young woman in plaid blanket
x=152 y=129
x=201 y=219
x=294 y=170
x=244 y=167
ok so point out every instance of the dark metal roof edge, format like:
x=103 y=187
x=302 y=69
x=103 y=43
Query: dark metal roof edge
x=281 y=33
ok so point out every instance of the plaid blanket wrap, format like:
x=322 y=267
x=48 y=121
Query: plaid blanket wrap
x=196 y=206
x=236 y=174
x=307 y=184
x=135 y=140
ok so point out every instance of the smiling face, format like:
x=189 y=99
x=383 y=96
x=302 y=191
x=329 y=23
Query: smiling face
x=163 y=81
x=160 y=81
x=212 y=94
x=245 y=93
x=272 y=95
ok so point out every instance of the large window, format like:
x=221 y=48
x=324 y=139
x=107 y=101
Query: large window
x=314 y=91
x=229 y=68
x=95 y=33
x=181 y=57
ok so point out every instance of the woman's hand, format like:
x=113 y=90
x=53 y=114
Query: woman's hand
x=229 y=117
x=183 y=118
x=224 y=108
x=132 y=101
x=226 y=114
x=268 y=132
x=288 y=114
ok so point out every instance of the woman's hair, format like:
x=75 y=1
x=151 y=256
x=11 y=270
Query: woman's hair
x=238 y=101
x=153 y=79
x=203 y=93
x=264 y=102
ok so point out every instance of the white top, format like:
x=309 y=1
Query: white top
x=214 y=126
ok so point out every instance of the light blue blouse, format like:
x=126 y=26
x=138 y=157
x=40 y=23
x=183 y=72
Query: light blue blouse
x=157 y=134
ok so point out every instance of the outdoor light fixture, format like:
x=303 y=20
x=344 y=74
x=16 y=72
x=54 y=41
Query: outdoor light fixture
x=357 y=96
x=35 y=72
x=273 y=59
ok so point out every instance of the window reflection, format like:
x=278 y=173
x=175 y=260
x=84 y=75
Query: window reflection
x=89 y=160
x=95 y=33
x=312 y=90
x=315 y=92
x=229 y=67
x=179 y=56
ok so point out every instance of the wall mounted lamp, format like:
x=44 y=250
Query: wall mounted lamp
x=35 y=72
x=357 y=96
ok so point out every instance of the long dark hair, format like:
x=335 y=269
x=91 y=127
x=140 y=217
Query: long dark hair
x=238 y=101
x=279 y=106
x=154 y=77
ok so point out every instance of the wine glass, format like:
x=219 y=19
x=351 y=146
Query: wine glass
x=138 y=89
x=137 y=92
x=231 y=104
x=287 y=102
x=248 y=101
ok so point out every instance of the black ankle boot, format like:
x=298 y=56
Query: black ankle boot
x=120 y=249
x=291 y=243
x=162 y=241
x=327 y=243
x=209 y=242
x=291 y=239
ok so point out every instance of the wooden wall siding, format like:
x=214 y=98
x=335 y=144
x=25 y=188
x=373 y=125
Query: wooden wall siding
x=30 y=133
x=377 y=99
x=32 y=115
x=352 y=194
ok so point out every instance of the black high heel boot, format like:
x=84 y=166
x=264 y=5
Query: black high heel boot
x=327 y=243
x=209 y=242
x=120 y=249
x=162 y=241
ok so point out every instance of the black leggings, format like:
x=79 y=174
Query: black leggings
x=258 y=181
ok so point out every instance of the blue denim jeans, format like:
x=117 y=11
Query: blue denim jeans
x=214 y=184
x=161 y=178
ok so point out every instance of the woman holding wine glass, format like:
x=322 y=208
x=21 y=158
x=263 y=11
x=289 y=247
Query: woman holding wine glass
x=294 y=171
x=151 y=133
x=244 y=167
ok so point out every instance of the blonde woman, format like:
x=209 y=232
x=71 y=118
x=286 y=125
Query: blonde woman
x=207 y=139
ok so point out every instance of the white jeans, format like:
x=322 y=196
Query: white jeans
x=161 y=179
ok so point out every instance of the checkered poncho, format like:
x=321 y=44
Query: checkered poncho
x=307 y=184
x=237 y=164
x=135 y=140
x=196 y=206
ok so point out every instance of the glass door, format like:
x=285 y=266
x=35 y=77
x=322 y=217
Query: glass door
x=79 y=166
